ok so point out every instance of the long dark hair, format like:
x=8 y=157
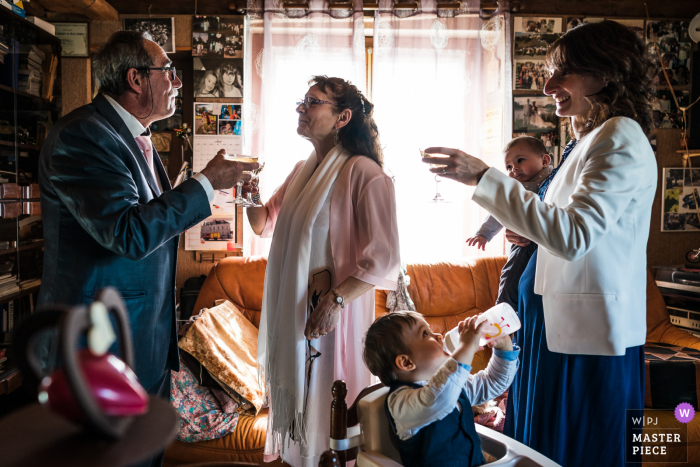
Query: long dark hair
x=360 y=136
x=615 y=53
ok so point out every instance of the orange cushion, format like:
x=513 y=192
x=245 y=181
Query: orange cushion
x=245 y=444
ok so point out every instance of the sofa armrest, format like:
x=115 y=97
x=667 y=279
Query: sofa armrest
x=375 y=459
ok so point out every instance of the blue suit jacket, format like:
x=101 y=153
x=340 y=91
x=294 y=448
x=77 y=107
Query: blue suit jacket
x=106 y=223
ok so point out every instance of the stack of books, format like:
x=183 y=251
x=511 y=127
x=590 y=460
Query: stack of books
x=28 y=284
x=4 y=49
x=30 y=73
x=8 y=285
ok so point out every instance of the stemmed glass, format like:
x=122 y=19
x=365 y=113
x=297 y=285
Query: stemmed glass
x=438 y=197
x=239 y=200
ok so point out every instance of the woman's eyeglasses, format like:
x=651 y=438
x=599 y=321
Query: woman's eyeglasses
x=309 y=101
x=169 y=69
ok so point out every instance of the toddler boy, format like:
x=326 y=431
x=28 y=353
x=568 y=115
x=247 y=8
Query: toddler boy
x=528 y=162
x=430 y=391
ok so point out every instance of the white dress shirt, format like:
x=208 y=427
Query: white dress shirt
x=137 y=129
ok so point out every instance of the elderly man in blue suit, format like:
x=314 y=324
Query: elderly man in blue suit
x=110 y=216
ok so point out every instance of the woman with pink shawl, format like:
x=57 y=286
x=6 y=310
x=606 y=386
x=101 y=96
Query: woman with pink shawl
x=334 y=240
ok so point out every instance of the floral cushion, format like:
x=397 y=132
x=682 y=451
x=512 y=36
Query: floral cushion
x=202 y=416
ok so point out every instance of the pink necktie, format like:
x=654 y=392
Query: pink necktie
x=146 y=147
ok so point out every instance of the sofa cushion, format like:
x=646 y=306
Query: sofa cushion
x=239 y=280
x=225 y=342
x=245 y=444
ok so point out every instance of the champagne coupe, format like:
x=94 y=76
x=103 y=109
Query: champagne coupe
x=438 y=197
x=239 y=200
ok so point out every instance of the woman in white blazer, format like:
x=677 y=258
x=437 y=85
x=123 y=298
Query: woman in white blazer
x=583 y=295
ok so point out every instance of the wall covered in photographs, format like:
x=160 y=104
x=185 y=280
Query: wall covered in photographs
x=674 y=48
x=217 y=48
x=161 y=30
x=681 y=200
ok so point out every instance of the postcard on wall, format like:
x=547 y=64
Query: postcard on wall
x=74 y=39
x=534 y=114
x=529 y=75
x=216 y=233
x=679 y=208
x=532 y=25
x=161 y=30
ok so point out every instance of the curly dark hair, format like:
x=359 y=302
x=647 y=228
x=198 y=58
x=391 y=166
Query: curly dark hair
x=615 y=53
x=360 y=136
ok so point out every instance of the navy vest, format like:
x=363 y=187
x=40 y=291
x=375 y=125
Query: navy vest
x=450 y=442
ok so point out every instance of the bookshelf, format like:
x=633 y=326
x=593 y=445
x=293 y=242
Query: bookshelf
x=30 y=102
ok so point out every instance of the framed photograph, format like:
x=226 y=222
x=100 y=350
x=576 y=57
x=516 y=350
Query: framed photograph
x=162 y=30
x=534 y=114
x=532 y=45
x=531 y=25
x=680 y=202
x=218 y=77
x=74 y=39
x=529 y=75
x=161 y=141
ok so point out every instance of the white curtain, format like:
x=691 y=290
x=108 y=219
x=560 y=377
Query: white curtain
x=284 y=49
x=440 y=78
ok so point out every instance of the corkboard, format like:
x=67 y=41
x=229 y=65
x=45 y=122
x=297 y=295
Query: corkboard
x=668 y=248
x=75 y=83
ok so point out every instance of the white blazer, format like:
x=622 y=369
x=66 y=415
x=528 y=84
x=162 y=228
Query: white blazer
x=592 y=229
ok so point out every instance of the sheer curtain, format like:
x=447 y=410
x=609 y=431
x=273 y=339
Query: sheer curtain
x=284 y=49
x=440 y=78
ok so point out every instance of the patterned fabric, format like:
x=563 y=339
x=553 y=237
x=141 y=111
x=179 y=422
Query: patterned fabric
x=201 y=417
x=545 y=184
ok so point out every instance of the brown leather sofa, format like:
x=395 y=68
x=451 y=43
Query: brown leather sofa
x=445 y=293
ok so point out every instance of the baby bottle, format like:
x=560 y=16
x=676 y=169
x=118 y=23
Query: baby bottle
x=502 y=321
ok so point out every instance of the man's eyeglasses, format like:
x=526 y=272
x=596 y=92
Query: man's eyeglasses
x=169 y=69
x=309 y=101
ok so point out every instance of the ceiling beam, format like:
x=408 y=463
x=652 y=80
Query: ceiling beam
x=96 y=10
x=679 y=9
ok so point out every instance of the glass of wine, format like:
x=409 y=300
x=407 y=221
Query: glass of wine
x=438 y=197
x=239 y=200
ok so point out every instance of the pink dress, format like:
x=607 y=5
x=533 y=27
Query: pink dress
x=364 y=244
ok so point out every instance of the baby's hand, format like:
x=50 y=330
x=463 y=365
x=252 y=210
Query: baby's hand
x=502 y=343
x=479 y=241
x=470 y=333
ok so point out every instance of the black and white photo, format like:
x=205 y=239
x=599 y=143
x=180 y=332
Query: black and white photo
x=161 y=30
x=215 y=77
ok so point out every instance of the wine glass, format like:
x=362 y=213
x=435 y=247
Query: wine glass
x=249 y=196
x=438 y=197
x=239 y=200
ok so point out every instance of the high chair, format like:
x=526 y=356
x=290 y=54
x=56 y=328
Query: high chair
x=362 y=432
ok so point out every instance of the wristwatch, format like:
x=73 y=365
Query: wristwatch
x=338 y=299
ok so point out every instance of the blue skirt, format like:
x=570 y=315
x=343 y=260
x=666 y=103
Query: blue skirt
x=571 y=408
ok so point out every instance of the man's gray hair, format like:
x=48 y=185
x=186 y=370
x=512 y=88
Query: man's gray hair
x=122 y=51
